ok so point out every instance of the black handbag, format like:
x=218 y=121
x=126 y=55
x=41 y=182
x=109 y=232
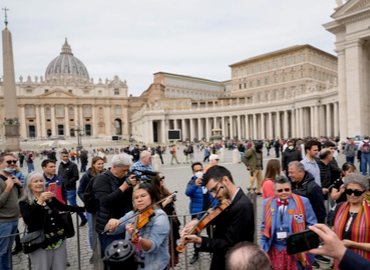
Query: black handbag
x=33 y=240
x=69 y=230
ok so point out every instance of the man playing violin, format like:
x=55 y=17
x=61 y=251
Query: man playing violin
x=235 y=224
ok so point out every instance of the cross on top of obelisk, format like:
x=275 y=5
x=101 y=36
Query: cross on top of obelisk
x=6 y=17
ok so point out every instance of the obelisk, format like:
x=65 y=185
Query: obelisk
x=11 y=123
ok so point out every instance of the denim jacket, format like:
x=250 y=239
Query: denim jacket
x=157 y=231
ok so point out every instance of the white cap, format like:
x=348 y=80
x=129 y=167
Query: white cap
x=213 y=157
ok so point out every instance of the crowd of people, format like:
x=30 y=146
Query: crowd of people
x=304 y=190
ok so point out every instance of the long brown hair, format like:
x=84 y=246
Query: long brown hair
x=159 y=189
x=95 y=172
x=273 y=169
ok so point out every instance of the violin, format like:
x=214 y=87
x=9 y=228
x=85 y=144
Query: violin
x=142 y=211
x=206 y=219
x=140 y=221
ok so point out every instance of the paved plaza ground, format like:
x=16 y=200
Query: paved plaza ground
x=176 y=179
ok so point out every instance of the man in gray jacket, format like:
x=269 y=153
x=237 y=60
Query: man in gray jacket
x=349 y=151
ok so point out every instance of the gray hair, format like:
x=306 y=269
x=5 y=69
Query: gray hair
x=27 y=192
x=281 y=179
x=144 y=153
x=357 y=179
x=122 y=160
x=297 y=165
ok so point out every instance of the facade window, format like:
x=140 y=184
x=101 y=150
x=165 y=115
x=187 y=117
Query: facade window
x=174 y=103
x=116 y=92
x=167 y=92
x=188 y=102
x=266 y=66
x=292 y=60
x=267 y=95
x=70 y=91
x=100 y=92
x=187 y=93
x=258 y=68
x=266 y=80
x=282 y=63
x=258 y=96
x=178 y=93
x=29 y=91
x=87 y=110
x=240 y=72
x=274 y=64
x=302 y=89
x=46 y=90
x=182 y=93
x=71 y=112
x=173 y=92
x=250 y=84
x=60 y=111
x=258 y=82
x=118 y=111
x=192 y=94
x=250 y=70
x=201 y=96
x=275 y=94
x=168 y=103
x=86 y=92
x=161 y=104
x=47 y=111
x=283 y=78
x=30 y=111
x=234 y=74
x=292 y=76
x=302 y=74
x=240 y=86
x=275 y=79
x=180 y=103
x=245 y=85
x=283 y=93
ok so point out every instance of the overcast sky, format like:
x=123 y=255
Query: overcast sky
x=134 y=39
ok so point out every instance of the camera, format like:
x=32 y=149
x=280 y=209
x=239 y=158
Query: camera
x=144 y=177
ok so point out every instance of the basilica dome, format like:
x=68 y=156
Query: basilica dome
x=66 y=64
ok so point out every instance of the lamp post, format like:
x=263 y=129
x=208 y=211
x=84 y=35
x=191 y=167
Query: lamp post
x=79 y=129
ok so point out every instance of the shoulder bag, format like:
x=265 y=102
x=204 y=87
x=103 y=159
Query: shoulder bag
x=34 y=240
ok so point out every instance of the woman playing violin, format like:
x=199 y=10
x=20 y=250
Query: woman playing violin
x=152 y=238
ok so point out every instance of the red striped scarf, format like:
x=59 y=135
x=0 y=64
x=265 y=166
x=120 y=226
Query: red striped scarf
x=360 y=228
x=296 y=227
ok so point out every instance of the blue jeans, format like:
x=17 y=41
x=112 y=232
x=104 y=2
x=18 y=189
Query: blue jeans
x=6 y=228
x=89 y=222
x=350 y=159
x=71 y=197
x=83 y=167
x=241 y=154
x=365 y=161
x=31 y=167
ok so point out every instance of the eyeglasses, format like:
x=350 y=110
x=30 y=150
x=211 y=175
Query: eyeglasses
x=357 y=193
x=214 y=189
x=11 y=161
x=283 y=189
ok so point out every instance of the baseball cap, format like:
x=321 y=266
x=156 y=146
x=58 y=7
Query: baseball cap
x=213 y=157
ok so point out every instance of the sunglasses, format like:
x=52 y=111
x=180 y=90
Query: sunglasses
x=357 y=193
x=162 y=178
x=281 y=190
x=11 y=161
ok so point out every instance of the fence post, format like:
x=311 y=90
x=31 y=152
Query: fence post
x=10 y=251
x=78 y=243
x=255 y=214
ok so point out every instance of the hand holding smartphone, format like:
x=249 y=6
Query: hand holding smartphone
x=53 y=188
x=302 y=242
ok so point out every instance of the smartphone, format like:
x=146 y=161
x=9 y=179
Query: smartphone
x=302 y=241
x=53 y=188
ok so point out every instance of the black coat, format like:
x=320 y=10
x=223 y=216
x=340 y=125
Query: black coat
x=69 y=172
x=35 y=214
x=84 y=158
x=235 y=224
x=290 y=156
x=112 y=202
x=325 y=174
x=312 y=191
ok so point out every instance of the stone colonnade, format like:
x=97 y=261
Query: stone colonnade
x=316 y=120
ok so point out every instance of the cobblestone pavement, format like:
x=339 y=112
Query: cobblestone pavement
x=177 y=177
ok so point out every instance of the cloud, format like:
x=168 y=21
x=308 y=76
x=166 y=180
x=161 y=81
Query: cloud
x=134 y=39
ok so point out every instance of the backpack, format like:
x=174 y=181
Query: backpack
x=171 y=151
x=89 y=197
x=27 y=158
x=267 y=145
x=365 y=148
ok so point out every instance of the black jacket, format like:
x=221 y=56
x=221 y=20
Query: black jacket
x=84 y=158
x=335 y=171
x=235 y=224
x=52 y=155
x=136 y=154
x=290 y=156
x=69 y=172
x=112 y=202
x=309 y=189
x=34 y=215
x=325 y=174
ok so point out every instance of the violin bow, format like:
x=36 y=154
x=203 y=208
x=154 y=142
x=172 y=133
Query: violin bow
x=142 y=211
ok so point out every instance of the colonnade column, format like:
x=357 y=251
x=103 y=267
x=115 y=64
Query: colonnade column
x=23 y=122
x=207 y=129
x=75 y=108
x=231 y=128
x=263 y=126
x=247 y=136
x=255 y=126
x=81 y=122
x=317 y=134
x=270 y=127
x=223 y=127
x=215 y=122
x=94 y=124
x=312 y=119
x=43 y=121
x=199 y=129
x=175 y=126
x=107 y=120
x=286 y=135
x=163 y=132
x=150 y=135
x=66 y=116
x=52 y=108
x=38 y=126
x=239 y=127
x=183 y=129
x=328 y=120
x=278 y=127
x=336 y=123
x=293 y=123
x=301 y=122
